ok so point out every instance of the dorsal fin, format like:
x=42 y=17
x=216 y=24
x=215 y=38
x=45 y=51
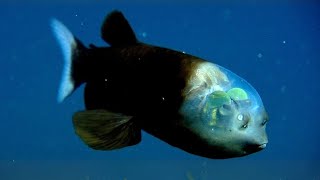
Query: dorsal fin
x=116 y=30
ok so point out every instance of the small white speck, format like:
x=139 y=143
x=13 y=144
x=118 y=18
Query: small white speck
x=76 y=15
x=139 y=59
x=11 y=78
x=284 y=117
x=183 y=52
x=204 y=164
x=259 y=55
x=283 y=42
x=283 y=88
x=105 y=80
x=13 y=161
x=162 y=98
x=144 y=34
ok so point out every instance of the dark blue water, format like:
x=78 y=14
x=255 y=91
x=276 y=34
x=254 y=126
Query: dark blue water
x=274 y=46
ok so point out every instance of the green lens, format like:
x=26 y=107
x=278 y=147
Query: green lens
x=237 y=94
x=218 y=99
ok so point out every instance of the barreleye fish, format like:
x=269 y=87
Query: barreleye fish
x=190 y=103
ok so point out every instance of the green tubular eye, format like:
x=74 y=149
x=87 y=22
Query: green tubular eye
x=237 y=94
x=217 y=102
x=218 y=99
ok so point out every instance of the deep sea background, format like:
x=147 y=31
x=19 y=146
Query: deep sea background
x=274 y=46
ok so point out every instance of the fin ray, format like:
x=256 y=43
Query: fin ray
x=104 y=130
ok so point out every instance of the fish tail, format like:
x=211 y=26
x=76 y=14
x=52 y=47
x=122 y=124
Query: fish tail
x=72 y=50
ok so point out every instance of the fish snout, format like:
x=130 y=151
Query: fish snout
x=263 y=145
x=255 y=147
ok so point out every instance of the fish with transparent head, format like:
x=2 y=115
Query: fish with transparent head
x=225 y=110
x=130 y=86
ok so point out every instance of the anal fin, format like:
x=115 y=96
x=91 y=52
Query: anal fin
x=105 y=130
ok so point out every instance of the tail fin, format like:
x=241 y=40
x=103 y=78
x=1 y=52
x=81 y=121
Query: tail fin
x=71 y=49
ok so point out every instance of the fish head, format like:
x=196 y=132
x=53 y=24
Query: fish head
x=225 y=113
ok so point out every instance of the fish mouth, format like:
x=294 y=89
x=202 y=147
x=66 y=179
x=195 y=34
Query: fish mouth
x=255 y=147
x=262 y=146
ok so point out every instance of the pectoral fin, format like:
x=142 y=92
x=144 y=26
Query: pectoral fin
x=105 y=130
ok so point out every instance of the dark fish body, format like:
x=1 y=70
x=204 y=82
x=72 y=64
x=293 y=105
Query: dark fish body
x=183 y=100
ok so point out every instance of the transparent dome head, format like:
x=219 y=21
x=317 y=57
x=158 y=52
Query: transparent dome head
x=216 y=97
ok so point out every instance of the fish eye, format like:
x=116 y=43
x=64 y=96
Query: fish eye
x=244 y=126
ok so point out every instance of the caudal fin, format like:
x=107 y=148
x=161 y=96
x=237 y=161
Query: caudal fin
x=71 y=50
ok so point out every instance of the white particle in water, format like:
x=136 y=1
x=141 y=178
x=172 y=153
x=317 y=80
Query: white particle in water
x=144 y=34
x=283 y=88
x=259 y=55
